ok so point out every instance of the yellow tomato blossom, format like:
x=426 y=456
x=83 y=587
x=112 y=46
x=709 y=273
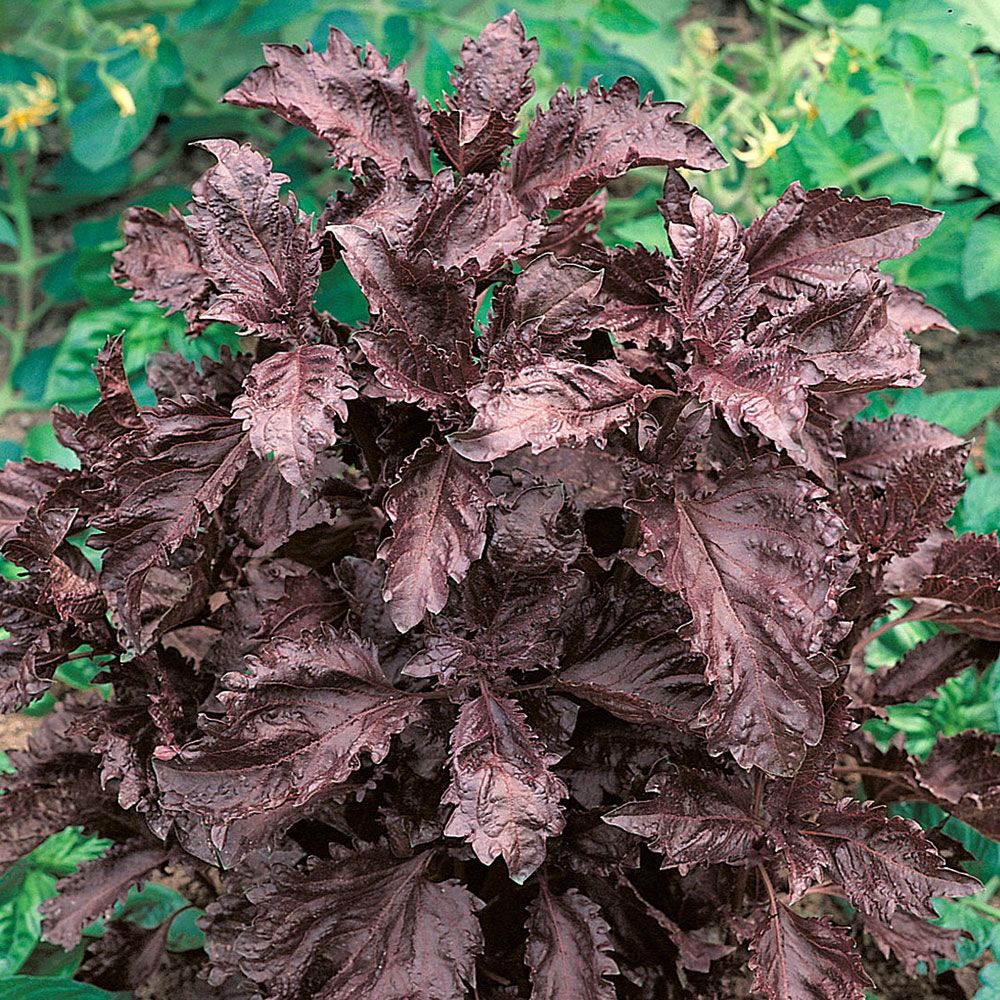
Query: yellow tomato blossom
x=706 y=43
x=806 y=106
x=121 y=95
x=145 y=38
x=824 y=51
x=765 y=146
x=29 y=107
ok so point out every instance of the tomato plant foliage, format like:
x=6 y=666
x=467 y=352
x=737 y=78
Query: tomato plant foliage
x=512 y=653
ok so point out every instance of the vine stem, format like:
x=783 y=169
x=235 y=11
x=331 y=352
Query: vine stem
x=23 y=269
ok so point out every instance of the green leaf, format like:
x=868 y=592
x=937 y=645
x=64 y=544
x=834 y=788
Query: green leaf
x=205 y=12
x=63 y=852
x=184 y=933
x=349 y=23
x=397 y=37
x=8 y=235
x=960 y=410
x=981 y=259
x=149 y=906
x=30 y=375
x=41 y=444
x=99 y=134
x=23 y=889
x=53 y=988
x=275 y=14
x=991 y=447
x=146 y=330
x=911 y=114
x=437 y=67
x=621 y=16
x=979 y=510
x=51 y=960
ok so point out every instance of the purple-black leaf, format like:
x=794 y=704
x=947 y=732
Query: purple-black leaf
x=695 y=818
x=568 y=947
x=506 y=799
x=295 y=727
x=550 y=404
x=290 y=403
x=885 y=863
x=438 y=509
x=581 y=142
x=758 y=561
x=362 y=925
x=793 y=957
x=355 y=102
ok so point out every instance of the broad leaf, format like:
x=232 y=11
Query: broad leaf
x=793 y=957
x=354 y=101
x=696 y=818
x=811 y=238
x=506 y=799
x=885 y=863
x=363 y=925
x=295 y=727
x=260 y=253
x=568 y=947
x=580 y=143
x=546 y=405
x=438 y=509
x=290 y=404
x=758 y=563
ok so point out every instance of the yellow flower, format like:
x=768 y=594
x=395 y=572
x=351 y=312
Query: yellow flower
x=29 y=107
x=806 y=107
x=765 y=146
x=121 y=95
x=824 y=51
x=706 y=44
x=145 y=38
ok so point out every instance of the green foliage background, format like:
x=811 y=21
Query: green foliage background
x=888 y=97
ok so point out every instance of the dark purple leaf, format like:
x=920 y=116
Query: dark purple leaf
x=295 y=727
x=962 y=587
x=161 y=262
x=438 y=509
x=812 y=238
x=494 y=80
x=913 y=940
x=192 y=453
x=581 y=142
x=475 y=224
x=408 y=292
x=696 y=818
x=568 y=947
x=506 y=799
x=259 y=252
x=290 y=404
x=354 y=101
x=92 y=891
x=758 y=563
x=793 y=957
x=550 y=404
x=634 y=664
x=885 y=863
x=362 y=925
x=922 y=670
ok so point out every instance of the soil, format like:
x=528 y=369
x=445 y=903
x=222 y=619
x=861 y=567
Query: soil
x=970 y=359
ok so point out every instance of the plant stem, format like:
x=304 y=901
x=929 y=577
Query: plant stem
x=23 y=270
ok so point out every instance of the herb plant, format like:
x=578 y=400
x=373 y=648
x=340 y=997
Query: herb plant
x=511 y=643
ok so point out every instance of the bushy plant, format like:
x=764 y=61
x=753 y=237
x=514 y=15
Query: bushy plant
x=512 y=641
